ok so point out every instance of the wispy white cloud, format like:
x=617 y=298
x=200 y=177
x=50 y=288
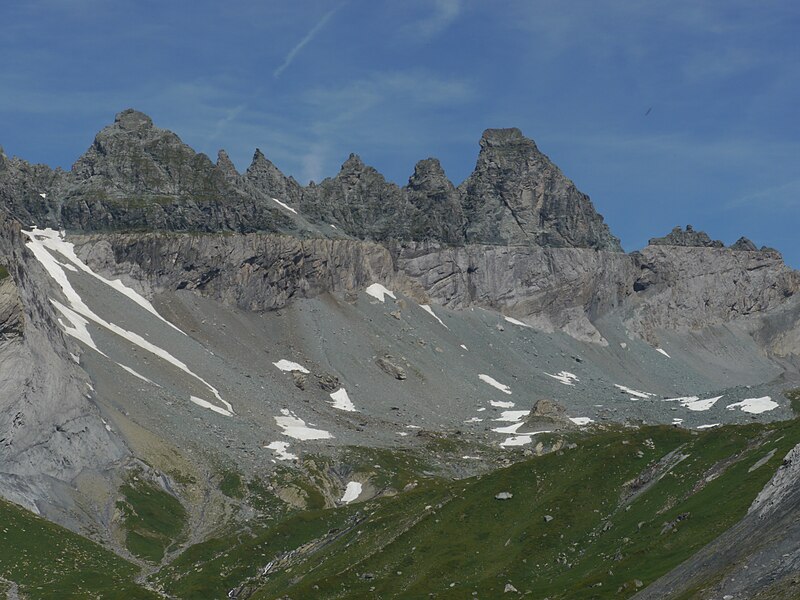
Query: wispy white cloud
x=313 y=32
x=784 y=195
x=443 y=15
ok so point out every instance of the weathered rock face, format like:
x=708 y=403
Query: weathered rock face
x=517 y=196
x=50 y=429
x=688 y=287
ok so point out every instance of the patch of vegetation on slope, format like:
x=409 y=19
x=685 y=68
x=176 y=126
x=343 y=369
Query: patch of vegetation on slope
x=50 y=562
x=575 y=526
x=153 y=519
x=794 y=398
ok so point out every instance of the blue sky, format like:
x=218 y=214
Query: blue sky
x=665 y=113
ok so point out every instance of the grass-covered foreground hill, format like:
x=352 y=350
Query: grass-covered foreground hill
x=603 y=517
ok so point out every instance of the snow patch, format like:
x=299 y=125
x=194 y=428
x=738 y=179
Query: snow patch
x=209 y=406
x=664 y=352
x=564 y=377
x=342 y=401
x=494 y=383
x=287 y=365
x=632 y=392
x=754 y=406
x=514 y=321
x=581 y=420
x=379 y=292
x=708 y=426
x=351 y=493
x=513 y=416
x=284 y=205
x=473 y=420
x=429 y=310
x=281 y=450
x=464 y=347
x=499 y=404
x=296 y=428
x=699 y=405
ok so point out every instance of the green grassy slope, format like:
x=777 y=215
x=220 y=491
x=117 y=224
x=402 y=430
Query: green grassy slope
x=455 y=538
x=47 y=561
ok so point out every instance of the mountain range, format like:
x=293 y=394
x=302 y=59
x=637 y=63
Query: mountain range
x=224 y=384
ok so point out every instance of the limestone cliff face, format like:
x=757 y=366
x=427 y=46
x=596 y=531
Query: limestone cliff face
x=50 y=429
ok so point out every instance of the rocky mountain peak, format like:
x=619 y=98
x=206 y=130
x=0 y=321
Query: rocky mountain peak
x=429 y=176
x=133 y=120
x=499 y=138
x=516 y=195
x=744 y=245
x=270 y=180
x=689 y=237
x=353 y=163
x=225 y=165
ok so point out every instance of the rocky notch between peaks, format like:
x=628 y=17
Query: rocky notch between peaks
x=136 y=176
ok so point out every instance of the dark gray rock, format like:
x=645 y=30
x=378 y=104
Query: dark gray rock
x=268 y=179
x=388 y=366
x=438 y=213
x=744 y=245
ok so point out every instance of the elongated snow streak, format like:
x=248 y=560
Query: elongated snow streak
x=376 y=290
x=564 y=377
x=581 y=420
x=281 y=450
x=708 y=426
x=755 y=406
x=628 y=390
x=664 y=352
x=287 y=365
x=41 y=243
x=342 y=401
x=52 y=241
x=209 y=406
x=429 y=310
x=494 y=383
x=498 y=404
x=296 y=428
x=351 y=493
x=135 y=374
x=284 y=205
x=514 y=321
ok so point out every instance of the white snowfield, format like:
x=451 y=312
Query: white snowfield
x=296 y=428
x=287 y=365
x=564 y=377
x=342 y=401
x=351 y=492
x=43 y=243
x=632 y=392
x=281 y=450
x=379 y=292
x=581 y=420
x=754 y=406
x=520 y=440
x=514 y=321
x=494 y=383
x=429 y=310
x=284 y=205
